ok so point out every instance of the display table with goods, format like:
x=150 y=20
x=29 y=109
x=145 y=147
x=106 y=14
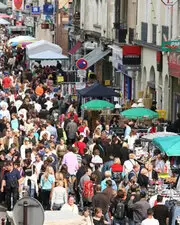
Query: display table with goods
x=171 y=198
x=28 y=211
x=54 y=218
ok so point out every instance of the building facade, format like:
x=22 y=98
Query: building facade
x=156 y=24
x=92 y=32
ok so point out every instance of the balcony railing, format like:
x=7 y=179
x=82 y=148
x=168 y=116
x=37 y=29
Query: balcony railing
x=76 y=19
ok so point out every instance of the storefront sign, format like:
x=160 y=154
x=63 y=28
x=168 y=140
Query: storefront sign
x=131 y=55
x=174 y=64
x=18 y=5
x=171 y=46
x=159 y=61
x=169 y=2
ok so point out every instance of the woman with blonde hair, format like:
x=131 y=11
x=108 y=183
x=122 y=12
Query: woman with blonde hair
x=59 y=196
x=47 y=183
x=60 y=177
x=83 y=130
x=131 y=139
x=117 y=170
x=97 y=133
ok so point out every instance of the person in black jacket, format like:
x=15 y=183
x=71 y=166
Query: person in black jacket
x=98 y=219
x=119 y=208
x=124 y=153
x=143 y=179
x=176 y=125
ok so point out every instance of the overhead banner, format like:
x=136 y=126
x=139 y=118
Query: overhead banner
x=18 y=5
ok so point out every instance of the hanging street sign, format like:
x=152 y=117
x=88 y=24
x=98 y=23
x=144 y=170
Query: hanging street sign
x=82 y=64
x=171 y=46
x=169 y=2
x=36 y=11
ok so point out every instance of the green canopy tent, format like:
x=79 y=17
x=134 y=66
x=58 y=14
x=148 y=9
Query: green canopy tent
x=169 y=145
x=97 y=105
x=139 y=113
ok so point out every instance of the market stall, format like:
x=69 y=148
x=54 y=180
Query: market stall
x=139 y=113
x=20 y=39
x=97 y=105
x=54 y=218
x=169 y=145
x=44 y=52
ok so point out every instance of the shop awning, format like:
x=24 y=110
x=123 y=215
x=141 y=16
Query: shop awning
x=47 y=55
x=4 y=22
x=75 y=48
x=3 y=6
x=95 y=55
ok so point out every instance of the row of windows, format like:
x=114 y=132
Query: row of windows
x=144 y=32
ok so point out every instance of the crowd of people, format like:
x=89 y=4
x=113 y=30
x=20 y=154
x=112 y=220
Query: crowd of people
x=50 y=153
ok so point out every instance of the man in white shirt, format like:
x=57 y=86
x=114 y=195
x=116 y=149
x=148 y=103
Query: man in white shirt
x=150 y=219
x=48 y=104
x=18 y=103
x=5 y=113
x=128 y=164
x=3 y=103
x=37 y=107
x=38 y=163
x=127 y=130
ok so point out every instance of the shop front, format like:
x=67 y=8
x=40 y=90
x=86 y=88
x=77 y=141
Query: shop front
x=126 y=62
x=174 y=71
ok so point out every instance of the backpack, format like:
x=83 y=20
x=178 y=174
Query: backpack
x=117 y=177
x=88 y=190
x=120 y=211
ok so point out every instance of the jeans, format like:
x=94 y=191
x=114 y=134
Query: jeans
x=57 y=206
x=130 y=222
x=107 y=218
x=15 y=194
x=45 y=199
x=81 y=202
x=175 y=214
x=119 y=221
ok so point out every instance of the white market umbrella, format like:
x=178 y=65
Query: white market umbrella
x=150 y=137
x=21 y=39
x=4 y=22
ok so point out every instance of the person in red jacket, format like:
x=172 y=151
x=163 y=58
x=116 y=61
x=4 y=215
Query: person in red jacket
x=116 y=166
x=6 y=83
x=80 y=145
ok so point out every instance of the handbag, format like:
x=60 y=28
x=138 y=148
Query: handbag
x=64 y=135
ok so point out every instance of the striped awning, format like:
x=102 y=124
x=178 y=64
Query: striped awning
x=75 y=48
x=96 y=55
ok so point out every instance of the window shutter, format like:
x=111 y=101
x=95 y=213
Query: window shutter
x=154 y=33
x=165 y=32
x=131 y=35
x=144 y=31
